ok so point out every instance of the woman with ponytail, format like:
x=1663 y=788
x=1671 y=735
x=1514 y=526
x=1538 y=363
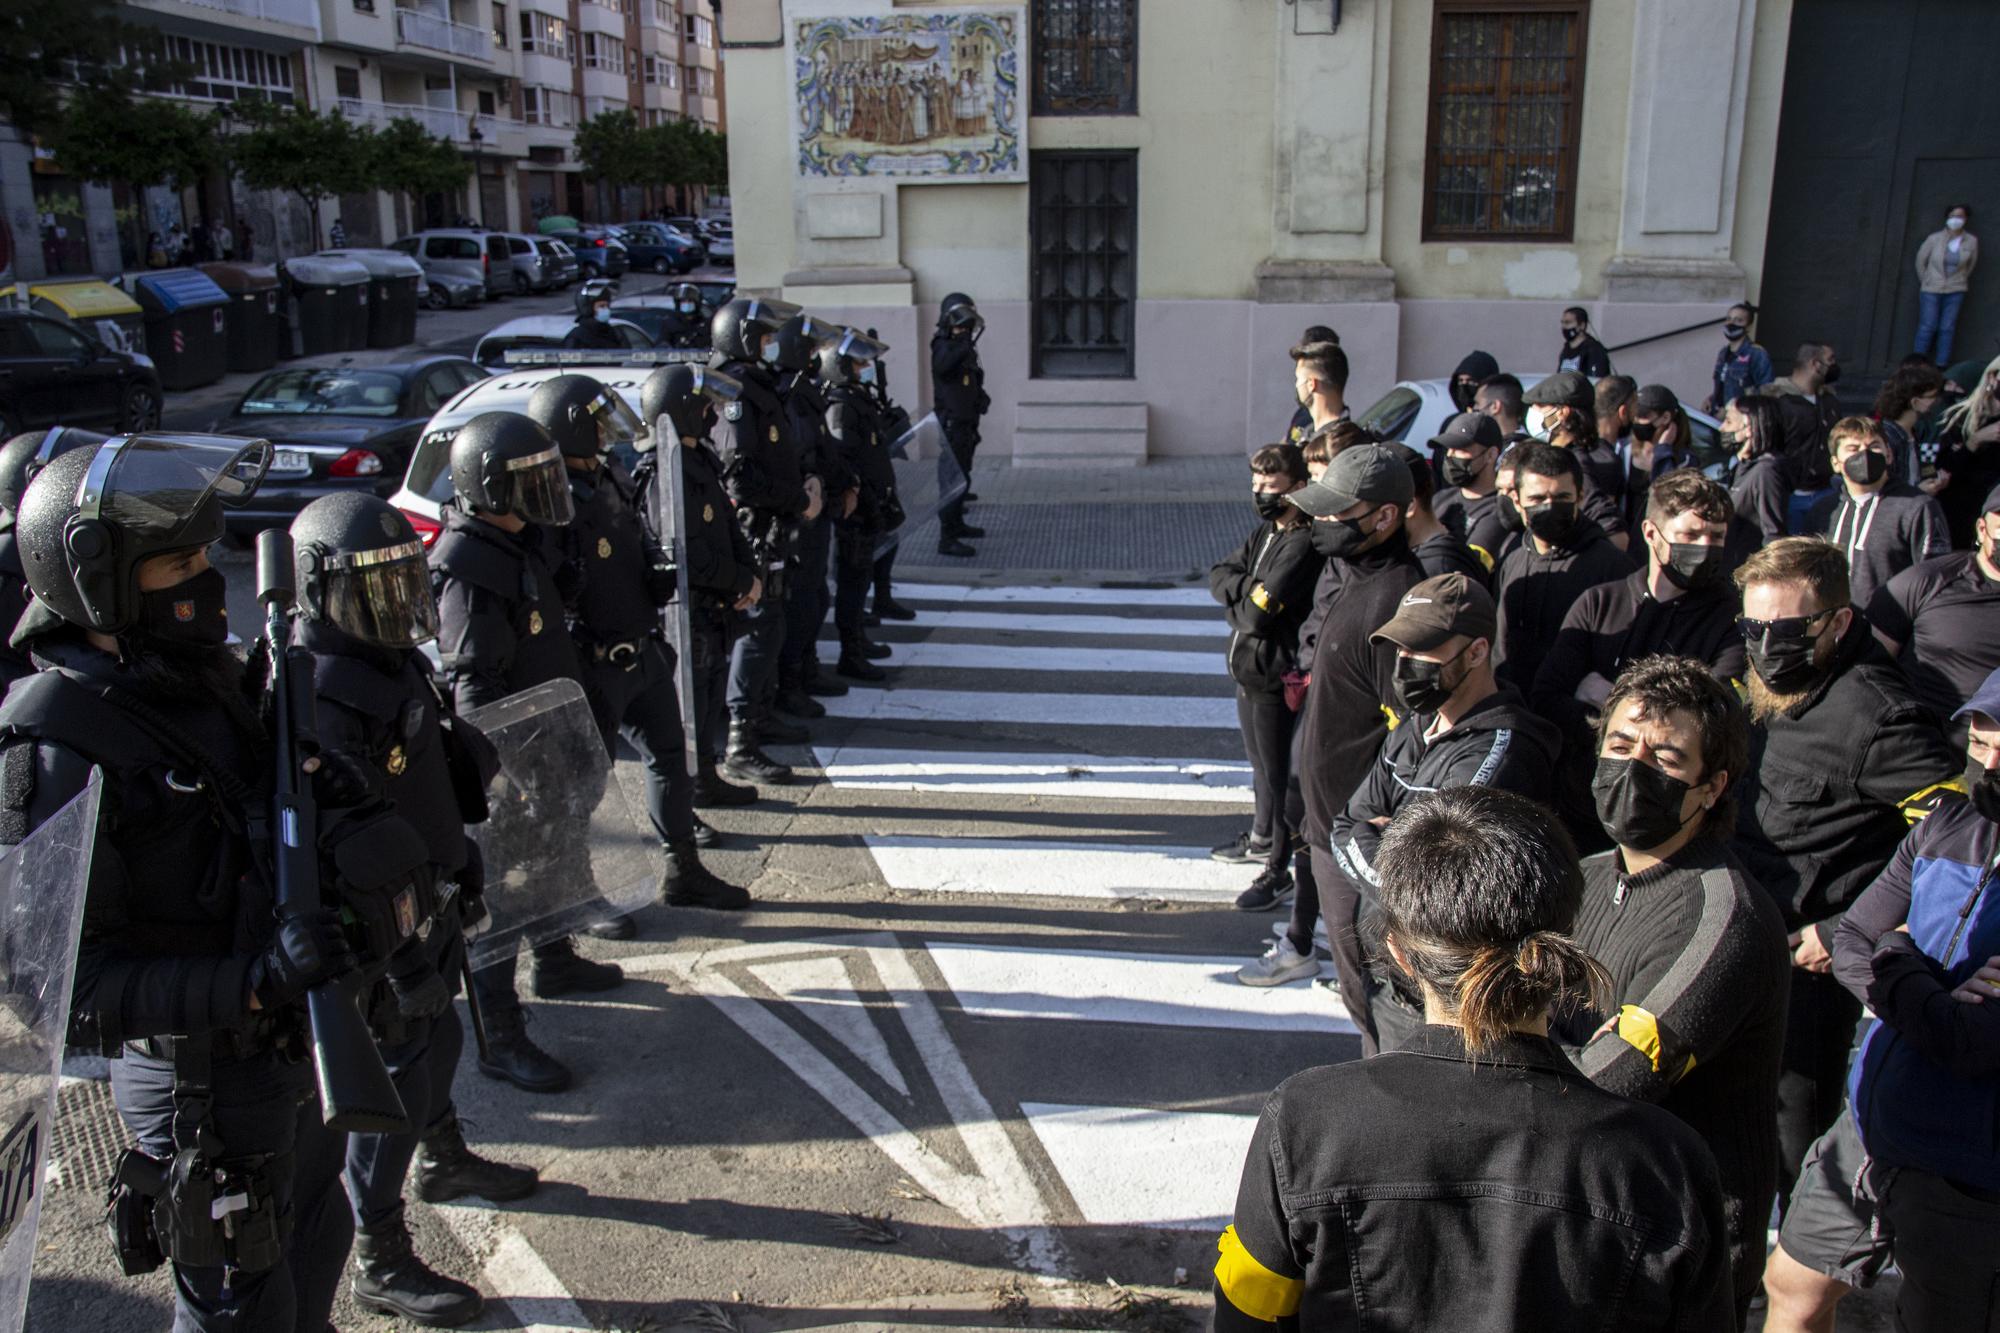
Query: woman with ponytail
x=1473 y=1177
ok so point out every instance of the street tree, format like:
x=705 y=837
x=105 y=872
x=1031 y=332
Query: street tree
x=104 y=136
x=612 y=149
x=313 y=154
x=46 y=50
x=406 y=157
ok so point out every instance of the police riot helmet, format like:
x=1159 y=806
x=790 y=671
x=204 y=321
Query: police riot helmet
x=953 y=300
x=687 y=299
x=582 y=416
x=92 y=516
x=361 y=569
x=739 y=328
x=842 y=356
x=27 y=454
x=800 y=339
x=682 y=393
x=591 y=292
x=505 y=463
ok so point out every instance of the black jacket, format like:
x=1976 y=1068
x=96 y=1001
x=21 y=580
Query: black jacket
x=1444 y=553
x=612 y=596
x=1586 y=355
x=1266 y=591
x=1944 y=615
x=1700 y=979
x=1422 y=1190
x=760 y=464
x=594 y=335
x=501 y=621
x=1882 y=534
x=1806 y=422
x=1535 y=593
x=854 y=428
x=720 y=564
x=1763 y=497
x=1604 y=481
x=958 y=383
x=1836 y=782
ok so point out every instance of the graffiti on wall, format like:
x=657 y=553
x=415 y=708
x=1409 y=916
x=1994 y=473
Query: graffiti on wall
x=919 y=95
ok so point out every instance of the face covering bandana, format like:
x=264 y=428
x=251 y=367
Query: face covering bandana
x=1865 y=468
x=1552 y=521
x=1337 y=538
x=1732 y=331
x=1692 y=565
x=1982 y=787
x=1419 y=685
x=1639 y=806
x=1268 y=505
x=1460 y=471
x=194 y=611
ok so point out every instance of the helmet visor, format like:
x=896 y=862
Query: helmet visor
x=383 y=596
x=156 y=485
x=616 y=422
x=541 y=488
x=719 y=385
x=856 y=346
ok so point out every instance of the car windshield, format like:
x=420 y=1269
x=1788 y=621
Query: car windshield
x=352 y=393
x=1391 y=415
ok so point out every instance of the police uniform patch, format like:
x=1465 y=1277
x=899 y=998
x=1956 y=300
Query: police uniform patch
x=603 y=548
x=534 y=622
x=708 y=513
x=397 y=761
x=967 y=381
x=774 y=435
x=734 y=412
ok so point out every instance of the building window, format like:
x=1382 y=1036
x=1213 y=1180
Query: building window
x=487 y=105
x=547 y=106
x=364 y=6
x=663 y=13
x=602 y=52
x=1506 y=84
x=1084 y=225
x=228 y=73
x=500 y=26
x=546 y=35
x=698 y=30
x=662 y=72
x=1086 y=57
x=704 y=81
x=346 y=82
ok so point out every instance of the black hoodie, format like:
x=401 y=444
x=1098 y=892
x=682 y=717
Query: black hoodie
x=1536 y=591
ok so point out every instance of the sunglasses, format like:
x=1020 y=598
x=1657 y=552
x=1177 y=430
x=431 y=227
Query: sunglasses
x=1785 y=629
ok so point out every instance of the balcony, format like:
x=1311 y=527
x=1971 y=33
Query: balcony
x=289 y=13
x=496 y=133
x=434 y=32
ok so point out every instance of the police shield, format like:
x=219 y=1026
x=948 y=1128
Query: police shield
x=928 y=477
x=561 y=846
x=41 y=901
x=670 y=522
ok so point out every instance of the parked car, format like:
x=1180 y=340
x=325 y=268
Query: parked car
x=543 y=331
x=660 y=248
x=53 y=373
x=722 y=251
x=658 y=316
x=599 y=254
x=531 y=273
x=427 y=481
x=716 y=292
x=456 y=266
x=558 y=260
x=1415 y=411
x=338 y=428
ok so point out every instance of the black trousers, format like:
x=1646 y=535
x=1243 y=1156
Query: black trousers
x=422 y=1066
x=710 y=632
x=854 y=568
x=1267 y=742
x=806 y=600
x=885 y=564
x=636 y=699
x=961 y=439
x=265 y=1108
x=1819 y=1038
x=753 y=656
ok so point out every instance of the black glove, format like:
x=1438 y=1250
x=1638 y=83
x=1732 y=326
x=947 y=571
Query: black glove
x=344 y=782
x=662 y=578
x=306 y=951
x=420 y=996
x=569 y=581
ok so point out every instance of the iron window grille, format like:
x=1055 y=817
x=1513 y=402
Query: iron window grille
x=1085 y=227
x=1086 y=55
x=1506 y=92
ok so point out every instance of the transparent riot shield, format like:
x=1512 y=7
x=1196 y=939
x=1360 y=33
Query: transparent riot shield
x=42 y=884
x=561 y=846
x=670 y=522
x=929 y=476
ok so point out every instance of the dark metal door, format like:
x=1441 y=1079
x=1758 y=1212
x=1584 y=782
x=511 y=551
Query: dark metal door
x=1085 y=277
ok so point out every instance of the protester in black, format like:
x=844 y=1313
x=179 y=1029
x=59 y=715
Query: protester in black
x=1753 y=427
x=1564 y=555
x=1882 y=525
x=1473 y=371
x=1809 y=408
x=1474 y=1178
x=1941 y=619
x=1581 y=351
x=1681 y=604
x=1662 y=442
x=1302 y=416
x=1695 y=1017
x=1437 y=548
x=1468 y=454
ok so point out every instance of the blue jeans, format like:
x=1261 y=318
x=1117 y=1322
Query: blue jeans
x=1937 y=316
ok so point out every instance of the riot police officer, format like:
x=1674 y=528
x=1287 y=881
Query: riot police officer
x=615 y=595
x=20 y=458
x=184 y=969
x=365 y=606
x=772 y=495
x=722 y=572
x=685 y=327
x=799 y=345
x=593 y=329
x=892 y=422
x=501 y=631
x=853 y=424
x=958 y=395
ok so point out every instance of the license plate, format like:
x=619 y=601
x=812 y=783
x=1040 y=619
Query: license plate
x=291 y=461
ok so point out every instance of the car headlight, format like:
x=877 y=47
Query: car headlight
x=141 y=359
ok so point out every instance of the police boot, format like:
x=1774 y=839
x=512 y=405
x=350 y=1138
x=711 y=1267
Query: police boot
x=854 y=662
x=949 y=544
x=712 y=789
x=447 y=1170
x=688 y=883
x=774 y=730
x=512 y=1058
x=873 y=651
x=792 y=697
x=968 y=530
x=746 y=763
x=888 y=608
x=390 y=1279
x=613 y=926
x=561 y=970
x=818 y=683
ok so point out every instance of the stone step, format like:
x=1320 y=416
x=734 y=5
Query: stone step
x=1063 y=434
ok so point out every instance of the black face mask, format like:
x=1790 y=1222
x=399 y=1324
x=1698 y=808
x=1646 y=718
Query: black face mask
x=1338 y=538
x=1419 y=685
x=1733 y=331
x=1865 y=468
x=1551 y=521
x=1268 y=505
x=1462 y=394
x=1570 y=335
x=195 y=610
x=1460 y=471
x=1639 y=806
x=1982 y=788
x=1510 y=515
x=1644 y=431
x=1787 y=666
x=1832 y=374
x=1692 y=565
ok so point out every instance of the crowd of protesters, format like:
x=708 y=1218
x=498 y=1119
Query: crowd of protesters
x=1648 y=807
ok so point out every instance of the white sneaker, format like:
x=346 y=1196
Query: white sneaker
x=1281 y=963
x=1319 y=932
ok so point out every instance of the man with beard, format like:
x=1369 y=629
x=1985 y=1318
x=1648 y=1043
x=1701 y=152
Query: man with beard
x=1843 y=760
x=184 y=971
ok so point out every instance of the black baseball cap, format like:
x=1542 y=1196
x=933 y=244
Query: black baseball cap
x=1565 y=388
x=1367 y=472
x=1992 y=505
x=1436 y=611
x=1656 y=398
x=1468 y=430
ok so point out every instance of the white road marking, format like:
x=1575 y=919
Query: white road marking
x=1082 y=776
x=1096 y=661
x=1154 y=990
x=1057 y=869
x=823 y=990
x=1111 y=1159
x=513 y=1271
x=1038 y=622
x=1056 y=594
x=1049 y=709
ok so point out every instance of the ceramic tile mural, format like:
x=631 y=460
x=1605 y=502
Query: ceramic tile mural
x=915 y=94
